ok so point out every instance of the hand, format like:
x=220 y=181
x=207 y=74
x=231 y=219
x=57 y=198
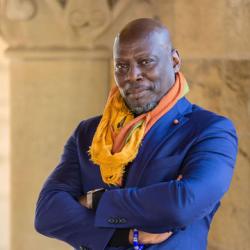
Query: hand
x=149 y=238
x=179 y=177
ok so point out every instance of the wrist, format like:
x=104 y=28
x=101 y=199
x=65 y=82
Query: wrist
x=136 y=244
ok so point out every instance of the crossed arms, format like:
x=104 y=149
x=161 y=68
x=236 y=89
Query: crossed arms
x=207 y=172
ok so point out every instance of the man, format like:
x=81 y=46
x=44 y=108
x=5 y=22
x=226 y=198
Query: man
x=152 y=170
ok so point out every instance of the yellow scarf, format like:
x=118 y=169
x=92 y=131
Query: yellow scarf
x=119 y=134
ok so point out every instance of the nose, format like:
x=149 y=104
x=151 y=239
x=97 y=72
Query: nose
x=134 y=73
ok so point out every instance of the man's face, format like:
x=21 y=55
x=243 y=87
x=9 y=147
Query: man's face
x=144 y=71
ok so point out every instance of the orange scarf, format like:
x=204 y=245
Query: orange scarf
x=118 y=136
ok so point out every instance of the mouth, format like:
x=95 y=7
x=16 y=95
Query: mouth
x=137 y=93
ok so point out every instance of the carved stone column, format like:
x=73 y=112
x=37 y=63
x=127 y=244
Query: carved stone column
x=60 y=54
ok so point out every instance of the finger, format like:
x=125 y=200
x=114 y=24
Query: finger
x=83 y=200
x=179 y=177
x=148 y=238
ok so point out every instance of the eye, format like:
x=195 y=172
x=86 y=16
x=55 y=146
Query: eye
x=121 y=66
x=146 y=61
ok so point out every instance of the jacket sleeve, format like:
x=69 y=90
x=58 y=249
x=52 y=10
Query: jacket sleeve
x=59 y=214
x=168 y=206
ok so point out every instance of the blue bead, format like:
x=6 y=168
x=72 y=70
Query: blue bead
x=136 y=244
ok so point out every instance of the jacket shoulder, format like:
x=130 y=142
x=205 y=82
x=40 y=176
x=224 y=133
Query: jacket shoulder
x=89 y=124
x=204 y=119
x=85 y=131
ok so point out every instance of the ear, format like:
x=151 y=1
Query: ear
x=176 y=60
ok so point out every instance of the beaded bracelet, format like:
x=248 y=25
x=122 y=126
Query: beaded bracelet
x=136 y=244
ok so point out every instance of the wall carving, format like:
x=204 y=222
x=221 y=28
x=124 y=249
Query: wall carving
x=88 y=18
x=62 y=3
x=20 y=10
x=70 y=24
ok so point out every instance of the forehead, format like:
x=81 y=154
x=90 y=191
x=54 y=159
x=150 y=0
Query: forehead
x=151 y=44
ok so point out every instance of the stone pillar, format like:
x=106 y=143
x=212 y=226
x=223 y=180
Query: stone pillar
x=4 y=151
x=213 y=39
x=50 y=93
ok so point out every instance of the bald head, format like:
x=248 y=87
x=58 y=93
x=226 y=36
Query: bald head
x=142 y=29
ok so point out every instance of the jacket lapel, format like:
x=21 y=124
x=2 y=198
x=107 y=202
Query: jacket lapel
x=158 y=135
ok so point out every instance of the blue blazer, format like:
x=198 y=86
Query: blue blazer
x=202 y=147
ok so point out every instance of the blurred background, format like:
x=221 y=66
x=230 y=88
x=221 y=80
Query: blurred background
x=56 y=69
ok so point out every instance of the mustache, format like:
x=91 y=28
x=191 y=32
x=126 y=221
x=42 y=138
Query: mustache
x=132 y=87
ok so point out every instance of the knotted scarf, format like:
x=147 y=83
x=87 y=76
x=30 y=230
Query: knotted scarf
x=119 y=134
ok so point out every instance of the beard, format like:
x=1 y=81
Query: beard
x=138 y=110
x=138 y=107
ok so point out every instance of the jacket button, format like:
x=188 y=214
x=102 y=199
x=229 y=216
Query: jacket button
x=122 y=220
x=116 y=221
x=84 y=248
x=111 y=220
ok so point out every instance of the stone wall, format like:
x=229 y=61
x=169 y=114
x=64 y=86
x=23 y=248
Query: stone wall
x=213 y=38
x=60 y=62
x=4 y=151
